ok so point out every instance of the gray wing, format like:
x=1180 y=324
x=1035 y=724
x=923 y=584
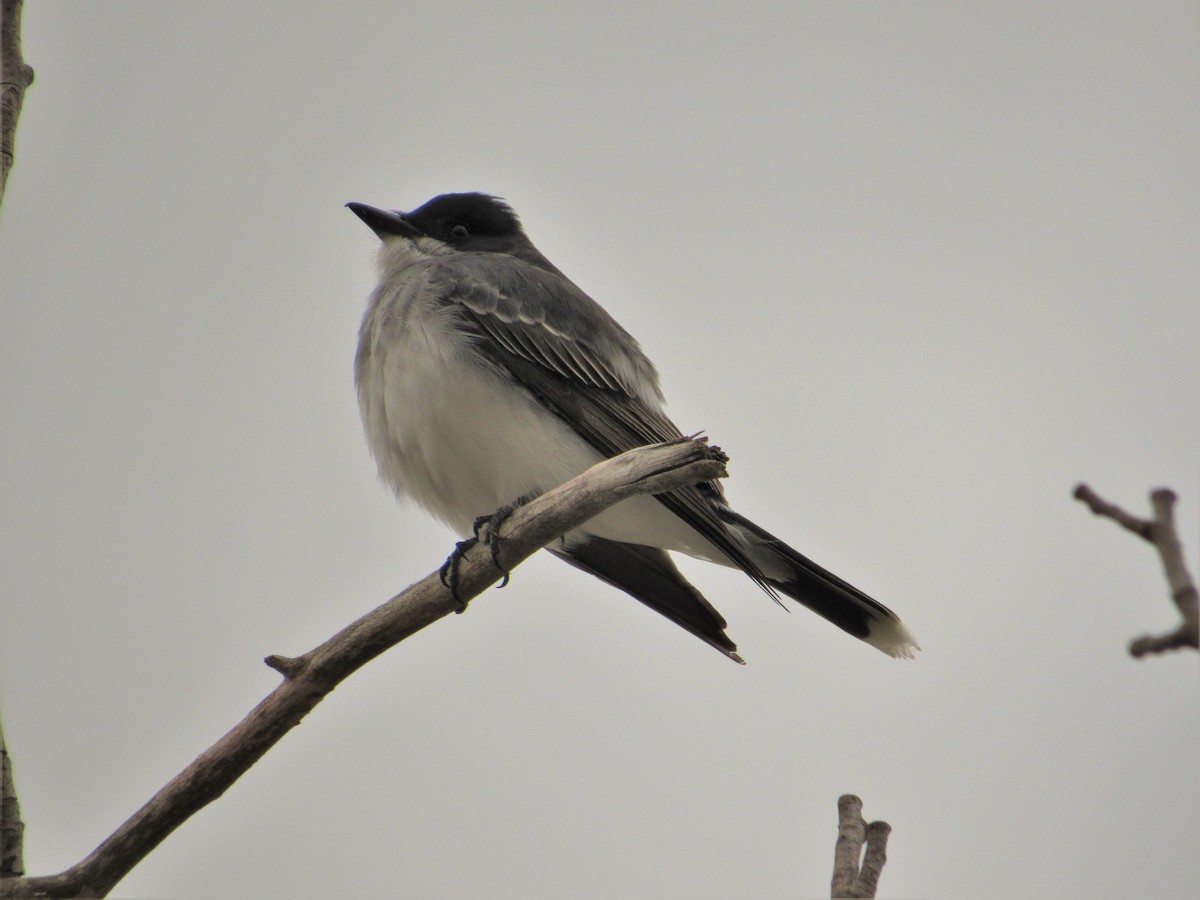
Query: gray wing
x=578 y=362
x=543 y=317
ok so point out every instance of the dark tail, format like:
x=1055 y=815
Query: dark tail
x=649 y=575
x=831 y=598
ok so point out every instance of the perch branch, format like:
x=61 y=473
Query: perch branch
x=15 y=77
x=1161 y=532
x=849 y=879
x=309 y=677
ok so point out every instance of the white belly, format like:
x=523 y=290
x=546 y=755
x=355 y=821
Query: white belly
x=462 y=441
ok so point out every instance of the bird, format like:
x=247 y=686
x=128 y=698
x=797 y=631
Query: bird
x=486 y=377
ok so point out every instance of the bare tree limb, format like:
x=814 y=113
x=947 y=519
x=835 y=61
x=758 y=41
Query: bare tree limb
x=12 y=829
x=309 y=677
x=849 y=880
x=1161 y=532
x=15 y=77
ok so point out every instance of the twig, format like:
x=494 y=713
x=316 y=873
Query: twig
x=15 y=77
x=1161 y=532
x=849 y=880
x=309 y=677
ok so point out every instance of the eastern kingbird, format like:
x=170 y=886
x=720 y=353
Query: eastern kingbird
x=485 y=376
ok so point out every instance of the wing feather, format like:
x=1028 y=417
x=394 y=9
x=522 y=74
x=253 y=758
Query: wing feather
x=577 y=361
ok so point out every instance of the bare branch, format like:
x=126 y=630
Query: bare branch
x=853 y=833
x=15 y=77
x=12 y=829
x=309 y=677
x=876 y=856
x=1161 y=532
x=1101 y=507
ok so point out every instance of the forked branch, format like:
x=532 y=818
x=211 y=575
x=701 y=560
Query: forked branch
x=855 y=873
x=1161 y=532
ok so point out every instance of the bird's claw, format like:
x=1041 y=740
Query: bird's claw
x=449 y=571
x=491 y=536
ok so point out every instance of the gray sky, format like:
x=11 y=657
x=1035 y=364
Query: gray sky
x=919 y=268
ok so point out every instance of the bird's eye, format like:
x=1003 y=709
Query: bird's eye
x=459 y=232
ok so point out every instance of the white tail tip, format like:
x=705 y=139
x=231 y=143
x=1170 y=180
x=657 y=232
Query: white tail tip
x=893 y=638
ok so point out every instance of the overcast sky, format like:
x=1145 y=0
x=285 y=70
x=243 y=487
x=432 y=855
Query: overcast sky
x=918 y=268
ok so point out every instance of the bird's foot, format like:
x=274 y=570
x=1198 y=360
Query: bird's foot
x=491 y=536
x=449 y=571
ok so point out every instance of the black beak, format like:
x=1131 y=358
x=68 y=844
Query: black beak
x=384 y=221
